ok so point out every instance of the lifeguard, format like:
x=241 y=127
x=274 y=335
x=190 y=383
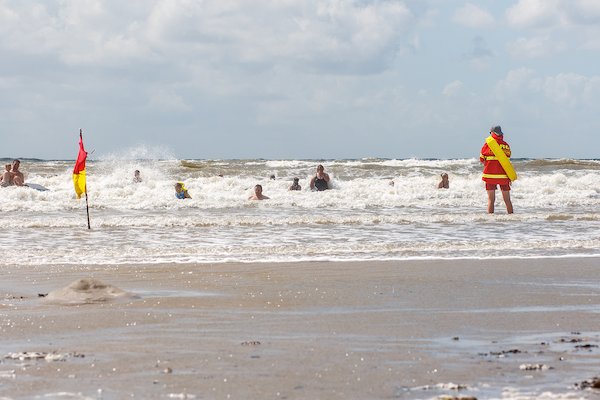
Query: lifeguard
x=493 y=172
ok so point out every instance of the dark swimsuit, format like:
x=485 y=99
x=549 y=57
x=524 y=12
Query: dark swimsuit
x=320 y=184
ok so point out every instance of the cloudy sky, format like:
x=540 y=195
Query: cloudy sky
x=299 y=78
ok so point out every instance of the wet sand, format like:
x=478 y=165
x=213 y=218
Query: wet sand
x=365 y=330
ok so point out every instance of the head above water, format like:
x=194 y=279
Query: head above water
x=497 y=130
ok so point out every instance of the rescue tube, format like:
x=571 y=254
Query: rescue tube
x=502 y=159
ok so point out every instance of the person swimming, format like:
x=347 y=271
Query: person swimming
x=6 y=178
x=295 y=185
x=181 y=191
x=258 y=194
x=444 y=183
x=17 y=176
x=320 y=180
x=137 y=178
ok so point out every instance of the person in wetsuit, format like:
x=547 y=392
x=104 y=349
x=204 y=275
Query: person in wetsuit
x=320 y=181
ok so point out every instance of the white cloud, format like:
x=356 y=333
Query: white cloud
x=336 y=36
x=163 y=100
x=554 y=26
x=452 y=89
x=473 y=16
x=566 y=89
x=554 y=13
x=535 y=47
x=516 y=81
x=534 y=13
x=572 y=89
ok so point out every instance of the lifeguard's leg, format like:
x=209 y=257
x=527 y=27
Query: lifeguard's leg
x=491 y=200
x=506 y=197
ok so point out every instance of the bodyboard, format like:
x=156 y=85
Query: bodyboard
x=502 y=159
x=36 y=187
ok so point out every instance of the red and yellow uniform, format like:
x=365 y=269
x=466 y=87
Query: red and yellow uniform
x=493 y=173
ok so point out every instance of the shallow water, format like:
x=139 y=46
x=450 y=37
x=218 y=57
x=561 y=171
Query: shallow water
x=362 y=218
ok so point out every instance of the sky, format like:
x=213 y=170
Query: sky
x=298 y=79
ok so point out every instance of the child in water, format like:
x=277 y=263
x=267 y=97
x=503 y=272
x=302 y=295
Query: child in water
x=6 y=178
x=181 y=192
x=444 y=183
x=137 y=178
x=295 y=185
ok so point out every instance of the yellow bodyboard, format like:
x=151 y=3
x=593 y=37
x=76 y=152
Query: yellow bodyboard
x=502 y=159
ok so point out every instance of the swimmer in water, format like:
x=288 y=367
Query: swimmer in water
x=181 y=192
x=258 y=194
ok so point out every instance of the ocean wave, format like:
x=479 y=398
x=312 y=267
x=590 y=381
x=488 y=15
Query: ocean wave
x=377 y=209
x=563 y=163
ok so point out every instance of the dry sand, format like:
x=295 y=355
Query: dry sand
x=366 y=330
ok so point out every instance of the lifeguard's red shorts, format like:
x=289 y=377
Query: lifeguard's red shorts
x=492 y=186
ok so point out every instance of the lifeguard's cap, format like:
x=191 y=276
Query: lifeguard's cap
x=496 y=129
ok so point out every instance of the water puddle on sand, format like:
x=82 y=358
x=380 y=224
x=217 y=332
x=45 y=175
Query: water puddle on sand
x=175 y=293
x=555 y=365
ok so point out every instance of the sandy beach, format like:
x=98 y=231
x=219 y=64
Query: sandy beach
x=511 y=328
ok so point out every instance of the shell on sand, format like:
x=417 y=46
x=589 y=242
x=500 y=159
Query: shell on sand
x=87 y=290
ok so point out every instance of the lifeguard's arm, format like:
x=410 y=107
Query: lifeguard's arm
x=485 y=151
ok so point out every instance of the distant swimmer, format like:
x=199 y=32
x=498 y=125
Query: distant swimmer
x=272 y=177
x=6 y=178
x=137 y=178
x=320 y=180
x=258 y=194
x=181 y=192
x=493 y=172
x=18 y=178
x=12 y=176
x=444 y=183
x=295 y=185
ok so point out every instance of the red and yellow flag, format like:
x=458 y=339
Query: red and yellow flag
x=79 y=170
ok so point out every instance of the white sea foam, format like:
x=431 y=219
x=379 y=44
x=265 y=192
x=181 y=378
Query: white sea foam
x=363 y=217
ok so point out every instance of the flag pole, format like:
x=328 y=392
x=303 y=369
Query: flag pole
x=87 y=207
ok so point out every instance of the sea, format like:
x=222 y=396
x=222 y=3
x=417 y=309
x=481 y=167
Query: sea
x=377 y=209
